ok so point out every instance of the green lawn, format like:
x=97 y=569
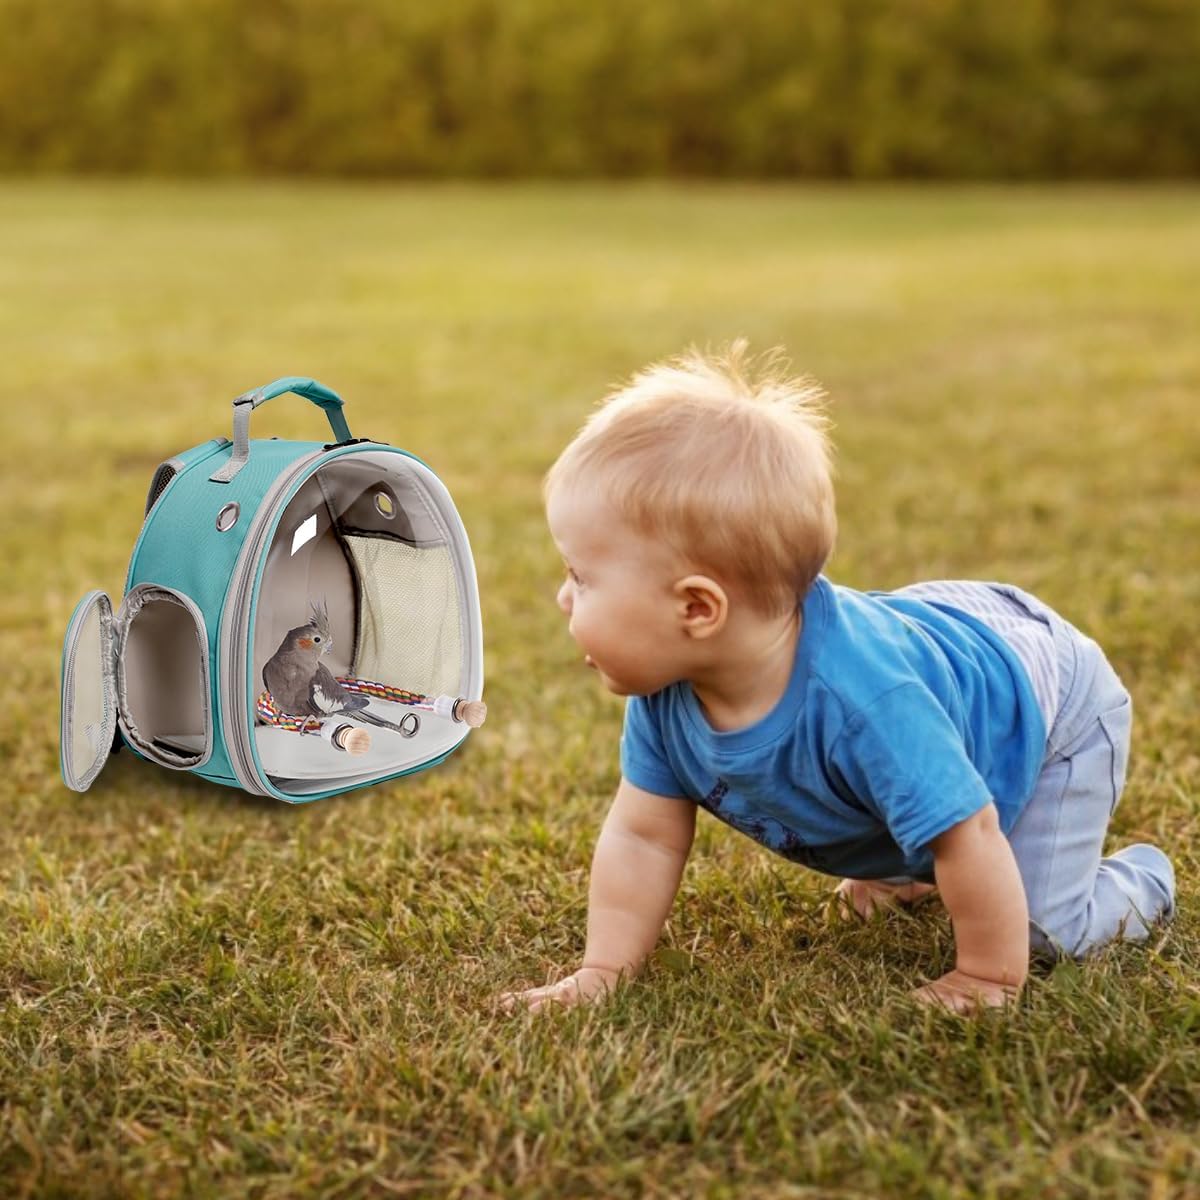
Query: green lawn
x=210 y=994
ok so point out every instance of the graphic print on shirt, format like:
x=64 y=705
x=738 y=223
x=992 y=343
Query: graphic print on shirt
x=763 y=829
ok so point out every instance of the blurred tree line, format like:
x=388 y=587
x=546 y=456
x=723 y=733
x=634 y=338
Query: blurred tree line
x=806 y=88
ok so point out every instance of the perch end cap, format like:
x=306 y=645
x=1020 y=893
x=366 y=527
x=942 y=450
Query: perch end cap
x=356 y=741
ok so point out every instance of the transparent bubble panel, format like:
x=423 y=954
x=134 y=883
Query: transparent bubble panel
x=362 y=586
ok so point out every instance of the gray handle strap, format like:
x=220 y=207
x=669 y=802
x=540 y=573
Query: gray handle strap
x=247 y=402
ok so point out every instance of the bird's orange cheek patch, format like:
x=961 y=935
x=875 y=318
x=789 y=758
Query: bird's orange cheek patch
x=304 y=643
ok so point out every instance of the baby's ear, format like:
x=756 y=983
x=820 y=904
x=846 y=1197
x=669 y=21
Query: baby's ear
x=701 y=606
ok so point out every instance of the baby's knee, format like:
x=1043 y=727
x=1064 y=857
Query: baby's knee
x=1134 y=890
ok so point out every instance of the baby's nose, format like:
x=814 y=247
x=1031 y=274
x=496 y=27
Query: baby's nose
x=564 y=597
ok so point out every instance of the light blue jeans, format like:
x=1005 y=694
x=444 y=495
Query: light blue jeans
x=1079 y=900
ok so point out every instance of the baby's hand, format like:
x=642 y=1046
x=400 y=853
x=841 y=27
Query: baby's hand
x=964 y=994
x=584 y=986
x=866 y=897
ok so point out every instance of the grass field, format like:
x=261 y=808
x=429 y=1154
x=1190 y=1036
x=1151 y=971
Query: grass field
x=207 y=994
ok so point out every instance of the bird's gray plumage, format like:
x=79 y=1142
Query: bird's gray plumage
x=303 y=686
x=299 y=682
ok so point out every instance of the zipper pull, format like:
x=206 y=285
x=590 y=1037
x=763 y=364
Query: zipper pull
x=354 y=442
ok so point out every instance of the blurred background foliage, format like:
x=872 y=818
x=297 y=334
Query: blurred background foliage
x=853 y=89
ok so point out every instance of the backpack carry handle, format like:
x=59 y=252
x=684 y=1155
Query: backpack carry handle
x=247 y=402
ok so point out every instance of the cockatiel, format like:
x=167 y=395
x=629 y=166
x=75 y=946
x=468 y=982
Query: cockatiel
x=303 y=686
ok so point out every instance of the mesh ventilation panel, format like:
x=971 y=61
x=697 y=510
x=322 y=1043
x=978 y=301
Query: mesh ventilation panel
x=409 y=630
x=165 y=473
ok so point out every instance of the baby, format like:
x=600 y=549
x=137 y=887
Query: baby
x=951 y=735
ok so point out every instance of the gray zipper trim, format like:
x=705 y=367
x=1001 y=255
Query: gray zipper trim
x=234 y=642
x=108 y=729
x=130 y=607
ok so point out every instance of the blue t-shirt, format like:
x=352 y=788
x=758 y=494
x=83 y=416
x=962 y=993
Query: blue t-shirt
x=902 y=718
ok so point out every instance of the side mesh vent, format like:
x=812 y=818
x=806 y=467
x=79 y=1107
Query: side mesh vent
x=165 y=473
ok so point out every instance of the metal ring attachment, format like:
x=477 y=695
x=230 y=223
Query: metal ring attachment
x=227 y=517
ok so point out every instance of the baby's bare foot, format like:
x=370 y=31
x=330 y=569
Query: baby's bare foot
x=866 y=897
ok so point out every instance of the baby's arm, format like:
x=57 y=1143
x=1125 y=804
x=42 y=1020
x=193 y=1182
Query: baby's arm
x=636 y=869
x=981 y=887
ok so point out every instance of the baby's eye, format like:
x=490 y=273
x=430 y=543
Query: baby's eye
x=573 y=577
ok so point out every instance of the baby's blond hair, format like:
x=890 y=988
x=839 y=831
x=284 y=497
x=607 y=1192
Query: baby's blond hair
x=724 y=457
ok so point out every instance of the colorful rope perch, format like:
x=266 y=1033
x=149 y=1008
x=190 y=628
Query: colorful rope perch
x=344 y=736
x=381 y=691
x=268 y=712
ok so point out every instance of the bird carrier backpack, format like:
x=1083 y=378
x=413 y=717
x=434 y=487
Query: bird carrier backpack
x=299 y=619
